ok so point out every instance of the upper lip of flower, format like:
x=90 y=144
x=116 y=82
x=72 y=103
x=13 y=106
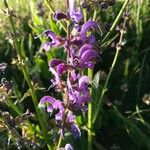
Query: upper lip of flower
x=56 y=41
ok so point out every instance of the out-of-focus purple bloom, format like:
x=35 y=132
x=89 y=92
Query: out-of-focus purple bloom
x=75 y=14
x=59 y=15
x=56 y=41
x=68 y=147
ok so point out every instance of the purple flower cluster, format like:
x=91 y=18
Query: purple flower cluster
x=81 y=54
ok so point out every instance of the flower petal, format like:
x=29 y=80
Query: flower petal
x=55 y=62
x=83 y=81
x=76 y=15
x=75 y=131
x=89 y=55
x=61 y=68
x=48 y=99
x=56 y=41
x=84 y=48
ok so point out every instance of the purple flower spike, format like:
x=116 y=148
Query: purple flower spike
x=74 y=129
x=58 y=15
x=68 y=147
x=86 y=26
x=56 y=40
x=68 y=80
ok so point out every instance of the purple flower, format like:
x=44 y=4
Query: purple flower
x=88 y=58
x=85 y=28
x=83 y=82
x=75 y=14
x=53 y=104
x=56 y=41
x=85 y=57
x=78 y=91
x=74 y=129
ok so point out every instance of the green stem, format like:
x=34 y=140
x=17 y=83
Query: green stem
x=105 y=86
x=95 y=14
x=59 y=142
x=114 y=25
x=90 y=74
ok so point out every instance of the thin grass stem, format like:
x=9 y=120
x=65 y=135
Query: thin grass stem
x=118 y=48
x=114 y=25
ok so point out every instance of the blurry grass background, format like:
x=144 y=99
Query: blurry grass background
x=127 y=124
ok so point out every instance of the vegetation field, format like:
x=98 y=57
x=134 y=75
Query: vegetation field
x=75 y=74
